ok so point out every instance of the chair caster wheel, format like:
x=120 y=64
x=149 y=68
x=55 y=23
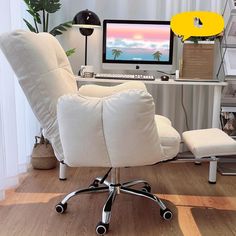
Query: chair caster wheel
x=166 y=214
x=95 y=184
x=146 y=188
x=102 y=228
x=61 y=208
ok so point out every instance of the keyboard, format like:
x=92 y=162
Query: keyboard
x=124 y=77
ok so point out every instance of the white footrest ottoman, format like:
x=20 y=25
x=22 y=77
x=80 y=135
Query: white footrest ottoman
x=209 y=143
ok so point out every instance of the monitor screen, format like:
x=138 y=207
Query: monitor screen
x=137 y=42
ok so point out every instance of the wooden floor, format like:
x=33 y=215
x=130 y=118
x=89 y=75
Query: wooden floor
x=199 y=208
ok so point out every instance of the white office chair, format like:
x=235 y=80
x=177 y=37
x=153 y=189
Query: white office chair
x=45 y=74
x=114 y=131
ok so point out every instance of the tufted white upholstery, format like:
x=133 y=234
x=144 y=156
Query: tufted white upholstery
x=117 y=130
x=44 y=74
x=168 y=135
x=114 y=131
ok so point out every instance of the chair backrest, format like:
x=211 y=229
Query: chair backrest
x=114 y=131
x=44 y=73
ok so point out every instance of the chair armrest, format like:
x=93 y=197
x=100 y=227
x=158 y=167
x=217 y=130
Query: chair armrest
x=162 y=119
x=93 y=90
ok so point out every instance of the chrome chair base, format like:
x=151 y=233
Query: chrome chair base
x=114 y=188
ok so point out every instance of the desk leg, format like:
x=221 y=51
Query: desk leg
x=216 y=107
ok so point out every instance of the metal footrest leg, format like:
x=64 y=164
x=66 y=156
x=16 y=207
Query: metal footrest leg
x=212 y=171
x=62 y=171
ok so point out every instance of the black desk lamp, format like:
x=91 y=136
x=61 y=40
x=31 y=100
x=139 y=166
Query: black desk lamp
x=86 y=21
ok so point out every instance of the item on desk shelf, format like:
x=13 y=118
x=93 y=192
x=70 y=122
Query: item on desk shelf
x=177 y=74
x=164 y=77
x=86 y=71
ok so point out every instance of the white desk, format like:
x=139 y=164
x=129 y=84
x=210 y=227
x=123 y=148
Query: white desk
x=216 y=97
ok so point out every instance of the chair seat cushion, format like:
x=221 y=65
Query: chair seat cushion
x=209 y=142
x=93 y=90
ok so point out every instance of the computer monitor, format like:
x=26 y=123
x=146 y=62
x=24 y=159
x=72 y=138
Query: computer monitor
x=137 y=45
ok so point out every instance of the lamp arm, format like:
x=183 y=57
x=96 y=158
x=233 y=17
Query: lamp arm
x=85 y=50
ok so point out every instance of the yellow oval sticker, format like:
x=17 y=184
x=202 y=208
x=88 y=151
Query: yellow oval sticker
x=197 y=23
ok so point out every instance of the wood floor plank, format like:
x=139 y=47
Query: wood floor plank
x=199 y=208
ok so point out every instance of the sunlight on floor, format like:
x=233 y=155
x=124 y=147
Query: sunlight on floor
x=185 y=205
x=14 y=198
x=185 y=215
x=220 y=203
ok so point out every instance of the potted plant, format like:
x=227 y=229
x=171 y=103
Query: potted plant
x=41 y=10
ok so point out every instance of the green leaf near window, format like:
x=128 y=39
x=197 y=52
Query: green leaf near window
x=60 y=28
x=70 y=52
x=31 y=28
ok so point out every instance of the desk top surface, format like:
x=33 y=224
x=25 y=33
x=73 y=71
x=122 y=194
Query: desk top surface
x=156 y=81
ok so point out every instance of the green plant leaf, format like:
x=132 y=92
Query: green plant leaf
x=36 y=5
x=27 y=2
x=70 y=52
x=68 y=24
x=33 y=5
x=51 y=6
x=31 y=28
x=35 y=15
x=60 y=28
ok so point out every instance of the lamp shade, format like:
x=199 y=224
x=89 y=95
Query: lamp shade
x=86 y=19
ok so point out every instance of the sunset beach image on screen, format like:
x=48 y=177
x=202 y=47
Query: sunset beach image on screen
x=145 y=42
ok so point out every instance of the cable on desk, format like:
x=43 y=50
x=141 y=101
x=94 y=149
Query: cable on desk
x=163 y=72
x=184 y=109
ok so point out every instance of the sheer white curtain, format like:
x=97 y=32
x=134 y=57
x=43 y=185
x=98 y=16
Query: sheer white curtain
x=197 y=100
x=18 y=125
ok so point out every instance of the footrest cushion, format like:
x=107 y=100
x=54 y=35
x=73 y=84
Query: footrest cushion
x=209 y=142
